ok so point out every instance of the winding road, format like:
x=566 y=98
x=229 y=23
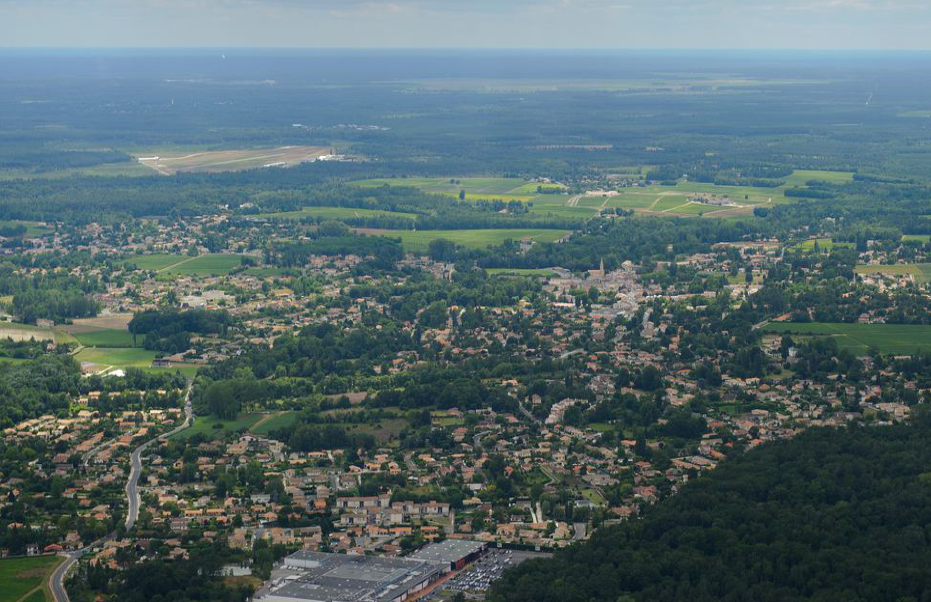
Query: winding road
x=57 y=578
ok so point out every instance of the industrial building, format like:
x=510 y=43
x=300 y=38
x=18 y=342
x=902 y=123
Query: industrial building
x=320 y=577
x=453 y=554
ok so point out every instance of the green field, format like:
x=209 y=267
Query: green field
x=156 y=262
x=108 y=338
x=921 y=272
x=917 y=237
x=417 y=241
x=214 y=427
x=489 y=185
x=273 y=422
x=118 y=357
x=558 y=205
x=903 y=339
x=214 y=264
x=335 y=213
x=673 y=200
x=384 y=430
x=33 y=229
x=20 y=576
x=125 y=168
x=800 y=176
x=824 y=244
x=650 y=200
x=476 y=189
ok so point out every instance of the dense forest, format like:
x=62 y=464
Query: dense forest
x=829 y=515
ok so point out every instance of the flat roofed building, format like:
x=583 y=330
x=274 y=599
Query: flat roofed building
x=322 y=577
x=453 y=553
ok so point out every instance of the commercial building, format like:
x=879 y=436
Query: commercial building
x=451 y=554
x=320 y=577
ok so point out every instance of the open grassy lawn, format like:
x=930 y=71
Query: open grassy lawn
x=917 y=237
x=118 y=357
x=108 y=338
x=559 y=205
x=476 y=189
x=921 y=272
x=417 y=241
x=800 y=176
x=489 y=185
x=335 y=213
x=903 y=339
x=385 y=430
x=273 y=422
x=33 y=229
x=19 y=576
x=824 y=244
x=123 y=168
x=213 y=264
x=655 y=199
x=214 y=427
x=158 y=261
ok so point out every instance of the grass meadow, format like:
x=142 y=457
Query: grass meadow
x=20 y=576
x=901 y=339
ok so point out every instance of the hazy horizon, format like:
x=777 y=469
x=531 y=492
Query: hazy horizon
x=479 y=24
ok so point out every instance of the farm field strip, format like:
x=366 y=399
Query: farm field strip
x=213 y=264
x=25 y=578
x=417 y=241
x=888 y=338
x=335 y=213
x=655 y=199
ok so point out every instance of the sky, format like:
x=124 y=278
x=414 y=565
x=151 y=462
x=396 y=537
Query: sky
x=672 y=24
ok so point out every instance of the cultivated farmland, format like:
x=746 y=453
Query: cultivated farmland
x=417 y=241
x=214 y=264
x=858 y=338
x=24 y=578
x=920 y=272
x=335 y=213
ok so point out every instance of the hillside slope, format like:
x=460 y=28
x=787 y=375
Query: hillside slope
x=830 y=515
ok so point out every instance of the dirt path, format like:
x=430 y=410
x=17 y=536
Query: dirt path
x=265 y=419
x=661 y=196
x=174 y=265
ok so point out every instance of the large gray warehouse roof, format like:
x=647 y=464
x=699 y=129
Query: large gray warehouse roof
x=448 y=551
x=349 y=578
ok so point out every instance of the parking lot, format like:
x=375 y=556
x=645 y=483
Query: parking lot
x=475 y=579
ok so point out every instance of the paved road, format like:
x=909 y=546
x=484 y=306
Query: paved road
x=57 y=579
x=132 y=486
x=527 y=413
x=579 y=533
x=477 y=439
x=569 y=354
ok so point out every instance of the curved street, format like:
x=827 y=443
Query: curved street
x=57 y=578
